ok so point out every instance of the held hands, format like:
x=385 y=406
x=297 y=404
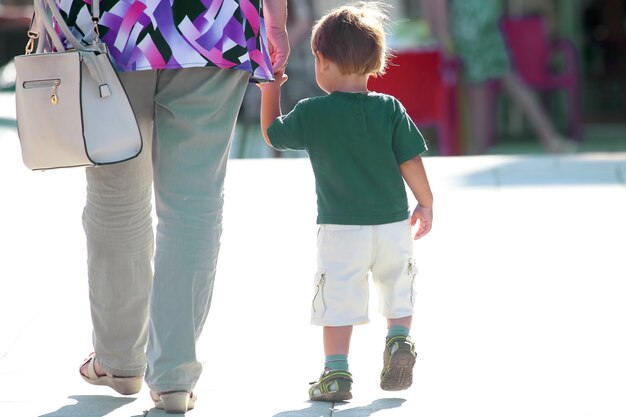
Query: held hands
x=270 y=102
x=425 y=217
x=277 y=39
x=280 y=78
x=278 y=45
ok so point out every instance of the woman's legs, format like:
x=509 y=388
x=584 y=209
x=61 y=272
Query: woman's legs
x=195 y=115
x=551 y=140
x=481 y=117
x=482 y=114
x=118 y=227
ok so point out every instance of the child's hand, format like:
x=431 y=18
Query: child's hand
x=280 y=79
x=280 y=76
x=425 y=217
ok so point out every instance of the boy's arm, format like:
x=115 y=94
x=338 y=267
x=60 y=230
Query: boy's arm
x=270 y=103
x=414 y=174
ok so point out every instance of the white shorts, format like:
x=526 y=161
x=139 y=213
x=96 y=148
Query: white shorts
x=346 y=255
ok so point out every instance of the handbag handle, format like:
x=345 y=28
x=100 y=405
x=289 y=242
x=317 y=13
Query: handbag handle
x=42 y=17
x=88 y=59
x=42 y=20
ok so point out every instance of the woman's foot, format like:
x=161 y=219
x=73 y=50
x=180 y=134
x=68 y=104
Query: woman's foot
x=93 y=374
x=97 y=369
x=174 y=402
x=560 y=145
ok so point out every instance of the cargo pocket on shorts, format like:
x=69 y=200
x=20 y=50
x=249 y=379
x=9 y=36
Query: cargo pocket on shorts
x=412 y=273
x=318 y=307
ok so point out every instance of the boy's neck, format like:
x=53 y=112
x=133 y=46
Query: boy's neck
x=351 y=83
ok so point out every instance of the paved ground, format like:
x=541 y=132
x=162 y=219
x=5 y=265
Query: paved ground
x=521 y=306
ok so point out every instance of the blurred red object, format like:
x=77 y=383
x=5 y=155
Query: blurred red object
x=532 y=53
x=426 y=84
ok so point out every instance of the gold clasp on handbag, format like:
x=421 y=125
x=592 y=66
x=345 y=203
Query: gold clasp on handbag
x=54 y=99
x=49 y=83
x=96 y=30
x=30 y=46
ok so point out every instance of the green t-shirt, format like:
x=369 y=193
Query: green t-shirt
x=356 y=143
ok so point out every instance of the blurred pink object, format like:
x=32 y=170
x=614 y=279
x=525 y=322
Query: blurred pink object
x=15 y=17
x=532 y=52
x=425 y=82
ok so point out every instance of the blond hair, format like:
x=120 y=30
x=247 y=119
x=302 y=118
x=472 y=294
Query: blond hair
x=353 y=38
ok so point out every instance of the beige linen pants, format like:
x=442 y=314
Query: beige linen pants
x=149 y=299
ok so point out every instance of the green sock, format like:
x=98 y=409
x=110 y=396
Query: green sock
x=398 y=331
x=337 y=362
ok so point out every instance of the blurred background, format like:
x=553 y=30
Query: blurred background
x=570 y=55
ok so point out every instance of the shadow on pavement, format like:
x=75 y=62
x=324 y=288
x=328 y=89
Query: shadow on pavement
x=90 y=405
x=317 y=409
x=551 y=171
x=8 y=122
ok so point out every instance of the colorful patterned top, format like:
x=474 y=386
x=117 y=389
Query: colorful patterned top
x=170 y=34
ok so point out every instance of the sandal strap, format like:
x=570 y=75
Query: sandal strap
x=90 y=362
x=397 y=339
x=325 y=380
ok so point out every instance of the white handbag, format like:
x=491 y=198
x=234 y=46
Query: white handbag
x=72 y=109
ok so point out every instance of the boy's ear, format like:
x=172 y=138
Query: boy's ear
x=322 y=61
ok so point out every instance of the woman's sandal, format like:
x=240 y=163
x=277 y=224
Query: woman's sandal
x=174 y=402
x=123 y=385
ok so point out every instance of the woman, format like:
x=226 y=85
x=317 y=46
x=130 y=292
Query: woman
x=474 y=34
x=185 y=66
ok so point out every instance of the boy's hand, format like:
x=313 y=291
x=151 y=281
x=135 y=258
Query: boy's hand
x=280 y=78
x=270 y=102
x=425 y=217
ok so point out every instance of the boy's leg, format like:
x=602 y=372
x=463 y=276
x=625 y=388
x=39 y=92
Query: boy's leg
x=399 y=327
x=335 y=383
x=404 y=322
x=394 y=273
x=341 y=299
x=337 y=340
x=398 y=362
x=398 y=356
x=336 y=347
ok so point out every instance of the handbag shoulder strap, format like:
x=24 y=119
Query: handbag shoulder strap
x=43 y=22
x=42 y=16
x=95 y=10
